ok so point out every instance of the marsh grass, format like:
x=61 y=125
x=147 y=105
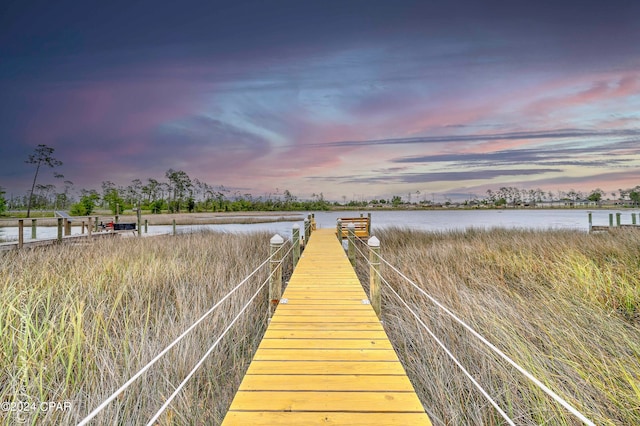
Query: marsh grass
x=564 y=305
x=77 y=322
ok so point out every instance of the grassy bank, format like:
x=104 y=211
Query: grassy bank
x=564 y=305
x=77 y=322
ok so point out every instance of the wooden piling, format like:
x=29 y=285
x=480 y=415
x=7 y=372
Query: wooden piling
x=67 y=227
x=618 y=218
x=139 y=216
x=82 y=228
x=351 y=247
x=33 y=229
x=590 y=221
x=146 y=226
x=374 y=274
x=611 y=220
x=59 y=229
x=339 y=230
x=296 y=244
x=89 y=226
x=20 y=233
x=174 y=226
x=633 y=218
x=96 y=224
x=275 y=282
x=307 y=231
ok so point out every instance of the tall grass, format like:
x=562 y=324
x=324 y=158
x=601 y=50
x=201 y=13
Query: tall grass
x=564 y=305
x=76 y=322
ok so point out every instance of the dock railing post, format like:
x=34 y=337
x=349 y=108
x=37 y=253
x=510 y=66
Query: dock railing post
x=67 y=227
x=59 y=229
x=351 y=248
x=89 y=227
x=374 y=274
x=82 y=228
x=307 y=231
x=339 y=230
x=275 y=282
x=174 y=226
x=369 y=224
x=33 y=228
x=296 y=244
x=590 y=221
x=96 y=224
x=20 y=233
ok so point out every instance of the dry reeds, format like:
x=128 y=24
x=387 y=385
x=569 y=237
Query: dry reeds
x=77 y=322
x=564 y=305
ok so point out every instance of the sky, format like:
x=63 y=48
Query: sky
x=351 y=99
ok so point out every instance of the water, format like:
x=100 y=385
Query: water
x=429 y=220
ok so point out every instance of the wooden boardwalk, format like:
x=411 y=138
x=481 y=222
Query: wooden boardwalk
x=325 y=358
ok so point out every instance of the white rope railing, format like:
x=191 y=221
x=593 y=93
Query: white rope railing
x=128 y=383
x=206 y=355
x=450 y=354
x=491 y=346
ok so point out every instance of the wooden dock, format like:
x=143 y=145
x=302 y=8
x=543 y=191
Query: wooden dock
x=325 y=358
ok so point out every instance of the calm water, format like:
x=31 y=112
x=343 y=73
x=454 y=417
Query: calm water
x=430 y=220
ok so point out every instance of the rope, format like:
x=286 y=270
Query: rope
x=450 y=355
x=206 y=355
x=541 y=385
x=165 y=350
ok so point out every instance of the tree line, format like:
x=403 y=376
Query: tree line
x=181 y=193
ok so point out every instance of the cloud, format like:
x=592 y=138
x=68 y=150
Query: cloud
x=530 y=135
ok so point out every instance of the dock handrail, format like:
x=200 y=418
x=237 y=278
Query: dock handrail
x=482 y=339
x=147 y=366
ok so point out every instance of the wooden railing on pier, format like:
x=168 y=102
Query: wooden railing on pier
x=362 y=226
x=325 y=358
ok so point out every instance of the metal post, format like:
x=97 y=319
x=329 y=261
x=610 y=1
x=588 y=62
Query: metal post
x=339 y=230
x=296 y=244
x=20 y=233
x=59 y=229
x=33 y=229
x=275 y=282
x=351 y=248
x=374 y=274
x=590 y=221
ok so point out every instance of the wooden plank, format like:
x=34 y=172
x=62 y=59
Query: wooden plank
x=297 y=354
x=313 y=343
x=372 y=402
x=346 y=383
x=327 y=320
x=284 y=418
x=371 y=326
x=325 y=334
x=326 y=367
